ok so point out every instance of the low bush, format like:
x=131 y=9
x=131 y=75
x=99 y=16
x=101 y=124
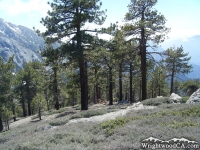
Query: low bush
x=156 y=101
x=184 y=99
x=63 y=114
x=75 y=116
x=110 y=125
x=176 y=124
x=90 y=113
x=58 y=122
x=51 y=112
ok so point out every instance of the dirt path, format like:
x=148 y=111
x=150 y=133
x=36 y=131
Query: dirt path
x=112 y=115
x=29 y=119
x=108 y=116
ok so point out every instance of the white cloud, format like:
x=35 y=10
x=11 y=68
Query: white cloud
x=183 y=33
x=17 y=7
x=185 y=40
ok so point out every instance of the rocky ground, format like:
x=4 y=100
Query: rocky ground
x=124 y=109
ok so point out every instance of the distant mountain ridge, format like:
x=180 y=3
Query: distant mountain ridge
x=23 y=43
x=19 y=41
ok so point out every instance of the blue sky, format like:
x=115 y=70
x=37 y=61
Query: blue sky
x=183 y=16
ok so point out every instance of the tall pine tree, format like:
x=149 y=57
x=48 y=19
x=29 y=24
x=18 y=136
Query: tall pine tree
x=67 y=20
x=145 y=24
x=7 y=68
x=176 y=63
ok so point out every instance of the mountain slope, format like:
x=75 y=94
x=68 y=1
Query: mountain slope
x=19 y=41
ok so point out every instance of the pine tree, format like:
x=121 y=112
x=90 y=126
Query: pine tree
x=6 y=73
x=39 y=103
x=120 y=53
x=157 y=83
x=107 y=55
x=176 y=63
x=188 y=87
x=66 y=20
x=27 y=80
x=52 y=58
x=148 y=25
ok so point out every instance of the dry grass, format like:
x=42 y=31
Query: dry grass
x=165 y=122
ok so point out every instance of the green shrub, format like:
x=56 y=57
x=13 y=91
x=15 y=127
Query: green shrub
x=110 y=125
x=176 y=124
x=156 y=101
x=58 y=123
x=75 y=116
x=51 y=112
x=184 y=99
x=90 y=113
x=193 y=112
x=63 y=114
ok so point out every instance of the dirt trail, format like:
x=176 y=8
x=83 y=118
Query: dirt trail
x=28 y=119
x=112 y=115
x=108 y=116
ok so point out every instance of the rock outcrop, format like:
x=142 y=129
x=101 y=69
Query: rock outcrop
x=175 y=98
x=194 y=98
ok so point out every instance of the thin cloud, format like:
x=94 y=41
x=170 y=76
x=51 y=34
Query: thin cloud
x=18 y=7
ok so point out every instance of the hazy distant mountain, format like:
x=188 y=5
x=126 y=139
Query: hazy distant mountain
x=23 y=43
x=19 y=41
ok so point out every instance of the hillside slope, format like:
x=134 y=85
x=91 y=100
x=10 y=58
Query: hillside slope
x=19 y=41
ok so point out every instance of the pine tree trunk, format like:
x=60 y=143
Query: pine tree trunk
x=125 y=93
x=28 y=99
x=82 y=67
x=143 y=60
x=159 y=85
x=131 y=84
x=1 y=124
x=23 y=103
x=8 y=126
x=29 y=108
x=83 y=83
x=13 y=110
x=56 y=89
x=86 y=85
x=140 y=91
x=46 y=96
x=96 y=88
x=172 y=84
x=152 y=91
x=39 y=114
x=120 y=82
x=172 y=78
x=110 y=87
x=95 y=95
x=99 y=92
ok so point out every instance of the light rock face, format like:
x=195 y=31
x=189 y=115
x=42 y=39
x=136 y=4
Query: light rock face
x=175 y=98
x=194 y=98
x=19 y=41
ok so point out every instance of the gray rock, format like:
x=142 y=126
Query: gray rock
x=194 y=98
x=175 y=98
